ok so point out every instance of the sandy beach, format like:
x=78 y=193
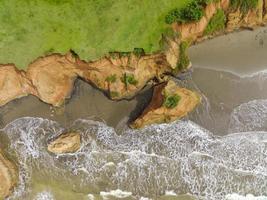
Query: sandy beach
x=242 y=53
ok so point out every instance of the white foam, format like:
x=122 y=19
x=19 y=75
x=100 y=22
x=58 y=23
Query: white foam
x=145 y=198
x=170 y=193
x=45 y=195
x=116 y=193
x=250 y=116
x=247 y=197
x=91 y=197
x=181 y=157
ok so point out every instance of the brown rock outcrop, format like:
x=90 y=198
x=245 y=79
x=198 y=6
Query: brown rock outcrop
x=53 y=77
x=238 y=19
x=193 y=30
x=13 y=84
x=65 y=143
x=158 y=112
x=122 y=76
x=8 y=176
x=172 y=50
x=264 y=11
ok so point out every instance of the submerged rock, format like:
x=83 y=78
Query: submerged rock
x=169 y=103
x=8 y=176
x=13 y=84
x=65 y=143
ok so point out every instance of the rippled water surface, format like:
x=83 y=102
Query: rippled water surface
x=218 y=152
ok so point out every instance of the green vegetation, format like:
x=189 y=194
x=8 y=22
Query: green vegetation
x=128 y=79
x=171 y=101
x=112 y=78
x=192 y=12
x=184 y=59
x=216 y=23
x=92 y=28
x=114 y=94
x=244 y=5
x=139 y=52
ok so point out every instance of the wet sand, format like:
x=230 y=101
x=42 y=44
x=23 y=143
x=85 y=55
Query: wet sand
x=242 y=53
x=86 y=102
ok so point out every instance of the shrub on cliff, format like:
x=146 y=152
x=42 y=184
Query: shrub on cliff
x=216 y=23
x=112 y=78
x=192 y=12
x=244 y=5
x=171 y=101
x=129 y=79
x=139 y=52
x=183 y=59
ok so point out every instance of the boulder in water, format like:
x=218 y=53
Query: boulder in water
x=8 y=176
x=65 y=143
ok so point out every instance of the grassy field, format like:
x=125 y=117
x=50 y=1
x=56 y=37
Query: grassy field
x=31 y=28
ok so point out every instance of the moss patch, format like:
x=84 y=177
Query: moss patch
x=112 y=78
x=171 y=101
x=129 y=79
x=184 y=61
x=244 y=5
x=216 y=23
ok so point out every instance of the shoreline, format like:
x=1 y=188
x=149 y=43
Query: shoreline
x=212 y=53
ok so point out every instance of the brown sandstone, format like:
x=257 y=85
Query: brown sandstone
x=157 y=112
x=65 y=143
x=8 y=176
x=13 y=84
x=53 y=77
x=113 y=73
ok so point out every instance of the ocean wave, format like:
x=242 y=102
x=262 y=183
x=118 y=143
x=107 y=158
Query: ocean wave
x=250 y=116
x=181 y=157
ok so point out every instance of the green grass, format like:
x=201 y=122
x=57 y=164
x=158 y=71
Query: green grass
x=31 y=28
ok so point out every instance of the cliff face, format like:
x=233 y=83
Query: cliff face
x=51 y=78
x=254 y=17
x=265 y=11
x=235 y=19
x=123 y=75
x=8 y=176
x=193 y=30
x=13 y=84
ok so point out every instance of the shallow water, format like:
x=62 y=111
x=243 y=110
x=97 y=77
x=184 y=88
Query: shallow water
x=219 y=152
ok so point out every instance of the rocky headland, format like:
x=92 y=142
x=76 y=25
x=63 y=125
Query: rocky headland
x=8 y=176
x=169 y=102
x=121 y=75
